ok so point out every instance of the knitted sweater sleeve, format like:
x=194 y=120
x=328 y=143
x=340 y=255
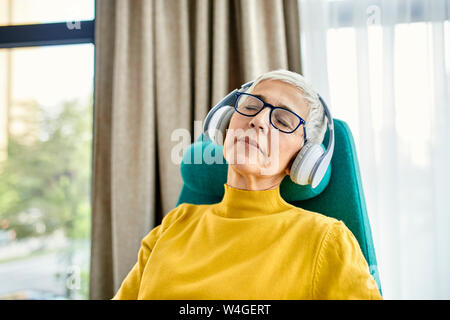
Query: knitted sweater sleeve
x=341 y=271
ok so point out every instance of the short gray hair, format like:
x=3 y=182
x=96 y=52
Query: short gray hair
x=316 y=123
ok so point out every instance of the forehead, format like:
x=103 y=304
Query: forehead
x=282 y=94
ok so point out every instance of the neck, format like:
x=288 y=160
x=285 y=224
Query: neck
x=240 y=180
x=237 y=203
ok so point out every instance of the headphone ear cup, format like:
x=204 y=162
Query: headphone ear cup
x=319 y=173
x=219 y=123
x=304 y=162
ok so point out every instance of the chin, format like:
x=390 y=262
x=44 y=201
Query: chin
x=252 y=164
x=247 y=169
x=255 y=170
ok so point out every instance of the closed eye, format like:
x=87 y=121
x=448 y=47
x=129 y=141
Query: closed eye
x=281 y=122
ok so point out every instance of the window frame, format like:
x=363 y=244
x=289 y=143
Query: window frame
x=45 y=34
x=50 y=34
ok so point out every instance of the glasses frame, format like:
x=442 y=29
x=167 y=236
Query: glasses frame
x=265 y=104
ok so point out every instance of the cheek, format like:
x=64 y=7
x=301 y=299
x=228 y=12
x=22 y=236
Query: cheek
x=289 y=148
x=235 y=123
x=228 y=140
x=238 y=122
x=227 y=146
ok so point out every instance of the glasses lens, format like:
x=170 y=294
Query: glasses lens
x=285 y=120
x=249 y=105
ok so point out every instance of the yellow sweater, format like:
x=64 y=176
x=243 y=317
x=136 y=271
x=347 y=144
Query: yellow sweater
x=251 y=245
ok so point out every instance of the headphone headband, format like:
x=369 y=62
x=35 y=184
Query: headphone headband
x=326 y=157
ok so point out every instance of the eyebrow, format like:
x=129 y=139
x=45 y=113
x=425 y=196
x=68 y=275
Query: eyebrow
x=281 y=105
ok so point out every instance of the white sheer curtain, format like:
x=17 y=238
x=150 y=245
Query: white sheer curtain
x=383 y=67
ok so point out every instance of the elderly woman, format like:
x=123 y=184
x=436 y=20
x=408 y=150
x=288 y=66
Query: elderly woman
x=253 y=244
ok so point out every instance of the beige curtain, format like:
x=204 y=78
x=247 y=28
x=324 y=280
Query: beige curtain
x=160 y=65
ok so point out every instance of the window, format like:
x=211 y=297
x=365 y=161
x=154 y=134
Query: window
x=384 y=67
x=19 y=12
x=46 y=112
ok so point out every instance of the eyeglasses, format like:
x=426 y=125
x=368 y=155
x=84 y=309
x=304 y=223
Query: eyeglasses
x=280 y=118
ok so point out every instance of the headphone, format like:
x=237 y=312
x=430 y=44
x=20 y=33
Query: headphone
x=311 y=162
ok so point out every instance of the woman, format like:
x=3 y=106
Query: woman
x=253 y=244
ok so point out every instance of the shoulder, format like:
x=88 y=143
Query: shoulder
x=338 y=243
x=333 y=232
x=181 y=212
x=315 y=220
x=338 y=234
x=175 y=214
x=329 y=231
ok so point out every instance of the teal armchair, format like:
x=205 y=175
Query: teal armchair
x=339 y=195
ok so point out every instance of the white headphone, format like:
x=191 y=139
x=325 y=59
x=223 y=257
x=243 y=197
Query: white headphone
x=310 y=164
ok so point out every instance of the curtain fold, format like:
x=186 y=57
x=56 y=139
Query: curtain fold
x=159 y=66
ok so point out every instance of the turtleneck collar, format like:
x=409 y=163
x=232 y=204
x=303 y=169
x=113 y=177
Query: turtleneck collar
x=239 y=203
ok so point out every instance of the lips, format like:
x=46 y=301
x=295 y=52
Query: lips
x=251 y=141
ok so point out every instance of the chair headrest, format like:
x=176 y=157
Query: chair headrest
x=209 y=178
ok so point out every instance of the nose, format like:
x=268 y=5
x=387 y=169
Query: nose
x=261 y=121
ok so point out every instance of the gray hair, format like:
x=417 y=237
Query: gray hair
x=316 y=123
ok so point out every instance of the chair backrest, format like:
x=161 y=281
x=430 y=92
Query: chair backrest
x=340 y=197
